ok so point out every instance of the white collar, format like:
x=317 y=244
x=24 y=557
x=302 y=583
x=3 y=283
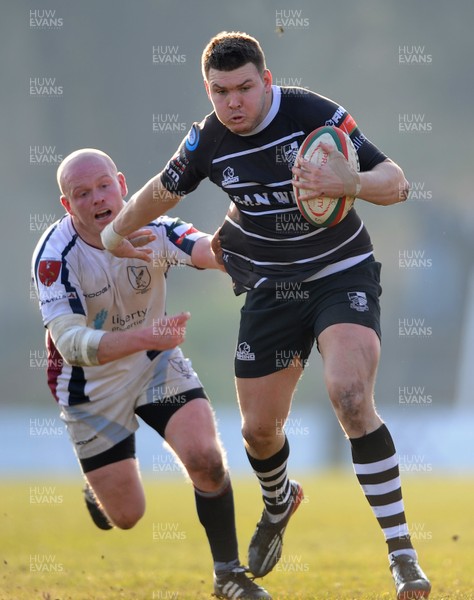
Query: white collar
x=271 y=114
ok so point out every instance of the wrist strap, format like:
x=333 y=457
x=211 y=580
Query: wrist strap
x=110 y=238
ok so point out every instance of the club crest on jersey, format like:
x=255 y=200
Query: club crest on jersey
x=48 y=271
x=287 y=154
x=358 y=301
x=228 y=176
x=139 y=278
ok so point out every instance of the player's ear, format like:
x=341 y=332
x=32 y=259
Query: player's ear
x=267 y=79
x=66 y=204
x=206 y=85
x=123 y=184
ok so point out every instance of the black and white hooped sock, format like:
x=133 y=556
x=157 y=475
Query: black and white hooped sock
x=273 y=478
x=376 y=467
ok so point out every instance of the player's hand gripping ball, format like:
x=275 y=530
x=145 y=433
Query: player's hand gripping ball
x=324 y=211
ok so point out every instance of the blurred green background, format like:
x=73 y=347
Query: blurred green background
x=125 y=77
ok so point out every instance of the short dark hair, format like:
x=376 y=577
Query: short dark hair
x=227 y=51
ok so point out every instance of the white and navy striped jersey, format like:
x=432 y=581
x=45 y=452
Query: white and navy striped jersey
x=114 y=294
x=264 y=238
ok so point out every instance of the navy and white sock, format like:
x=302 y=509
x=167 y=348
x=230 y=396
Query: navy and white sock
x=376 y=467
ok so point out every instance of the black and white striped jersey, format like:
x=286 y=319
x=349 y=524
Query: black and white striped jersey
x=265 y=239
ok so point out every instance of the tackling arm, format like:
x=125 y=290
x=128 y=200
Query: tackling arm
x=83 y=346
x=203 y=255
x=77 y=343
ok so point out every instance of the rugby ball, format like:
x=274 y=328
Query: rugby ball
x=325 y=212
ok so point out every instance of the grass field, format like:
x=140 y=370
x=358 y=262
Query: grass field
x=333 y=547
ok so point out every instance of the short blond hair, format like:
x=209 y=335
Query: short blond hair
x=80 y=154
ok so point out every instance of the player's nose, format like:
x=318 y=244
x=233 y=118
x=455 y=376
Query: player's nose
x=98 y=196
x=234 y=101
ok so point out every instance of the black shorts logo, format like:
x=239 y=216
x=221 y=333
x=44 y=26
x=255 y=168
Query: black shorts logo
x=358 y=301
x=244 y=353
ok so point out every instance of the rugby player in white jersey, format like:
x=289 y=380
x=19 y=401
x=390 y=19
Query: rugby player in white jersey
x=114 y=354
x=247 y=146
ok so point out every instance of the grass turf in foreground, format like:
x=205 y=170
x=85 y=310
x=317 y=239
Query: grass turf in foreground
x=333 y=547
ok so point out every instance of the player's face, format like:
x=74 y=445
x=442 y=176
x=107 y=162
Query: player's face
x=93 y=195
x=241 y=98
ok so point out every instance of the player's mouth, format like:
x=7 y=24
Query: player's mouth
x=236 y=119
x=102 y=215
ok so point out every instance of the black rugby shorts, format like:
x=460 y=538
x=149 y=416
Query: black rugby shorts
x=279 y=324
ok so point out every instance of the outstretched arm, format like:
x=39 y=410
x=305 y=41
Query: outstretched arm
x=150 y=202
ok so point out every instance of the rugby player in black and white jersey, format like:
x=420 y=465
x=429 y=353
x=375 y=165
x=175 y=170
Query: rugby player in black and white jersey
x=247 y=146
x=113 y=353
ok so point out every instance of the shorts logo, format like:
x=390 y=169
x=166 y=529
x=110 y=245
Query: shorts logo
x=243 y=352
x=358 y=301
x=84 y=442
x=181 y=366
